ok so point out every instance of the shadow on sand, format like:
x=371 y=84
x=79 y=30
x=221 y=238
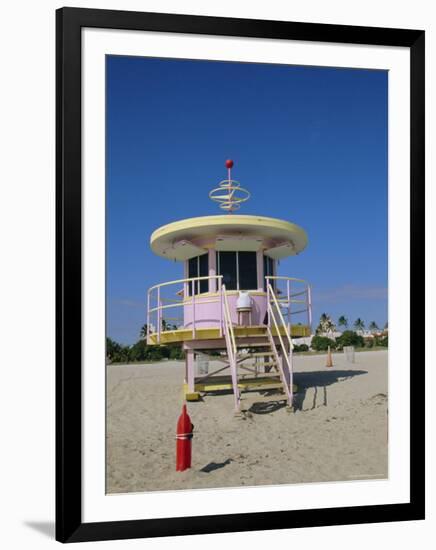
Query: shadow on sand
x=215 y=466
x=319 y=380
x=267 y=407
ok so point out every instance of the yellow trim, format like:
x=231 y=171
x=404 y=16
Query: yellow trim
x=185 y=335
x=190 y=396
x=233 y=219
x=207 y=226
x=225 y=383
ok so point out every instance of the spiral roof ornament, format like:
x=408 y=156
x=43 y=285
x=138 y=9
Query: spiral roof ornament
x=229 y=195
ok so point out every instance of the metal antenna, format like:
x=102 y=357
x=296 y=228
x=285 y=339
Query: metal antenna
x=229 y=194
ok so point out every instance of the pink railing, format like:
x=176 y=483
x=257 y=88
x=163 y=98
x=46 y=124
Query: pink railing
x=275 y=321
x=166 y=302
x=294 y=298
x=168 y=296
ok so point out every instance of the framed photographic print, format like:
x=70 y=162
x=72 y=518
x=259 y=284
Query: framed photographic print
x=240 y=274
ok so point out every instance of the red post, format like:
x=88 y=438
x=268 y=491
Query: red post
x=184 y=441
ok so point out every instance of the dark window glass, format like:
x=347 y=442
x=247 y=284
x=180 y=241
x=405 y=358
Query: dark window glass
x=247 y=270
x=204 y=272
x=193 y=267
x=268 y=269
x=192 y=272
x=198 y=267
x=227 y=268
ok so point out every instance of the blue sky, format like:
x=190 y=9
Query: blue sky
x=309 y=143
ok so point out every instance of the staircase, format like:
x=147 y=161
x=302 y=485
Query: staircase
x=275 y=357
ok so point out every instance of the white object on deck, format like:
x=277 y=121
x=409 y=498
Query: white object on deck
x=244 y=305
x=244 y=301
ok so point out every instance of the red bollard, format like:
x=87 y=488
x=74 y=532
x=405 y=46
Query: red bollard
x=184 y=441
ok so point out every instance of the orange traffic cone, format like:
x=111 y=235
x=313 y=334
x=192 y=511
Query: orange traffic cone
x=329 y=358
x=184 y=441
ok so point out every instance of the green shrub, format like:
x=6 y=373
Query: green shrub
x=176 y=352
x=301 y=347
x=369 y=343
x=113 y=350
x=138 y=352
x=321 y=343
x=165 y=352
x=117 y=353
x=350 y=338
x=155 y=354
x=384 y=342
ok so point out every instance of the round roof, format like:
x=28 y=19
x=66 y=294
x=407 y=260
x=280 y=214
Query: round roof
x=183 y=239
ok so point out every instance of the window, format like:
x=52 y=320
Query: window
x=268 y=269
x=226 y=266
x=199 y=267
x=239 y=270
x=247 y=263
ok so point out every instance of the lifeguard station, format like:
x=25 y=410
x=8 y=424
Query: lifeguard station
x=231 y=299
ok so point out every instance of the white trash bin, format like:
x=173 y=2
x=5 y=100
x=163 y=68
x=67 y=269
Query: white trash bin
x=202 y=361
x=349 y=354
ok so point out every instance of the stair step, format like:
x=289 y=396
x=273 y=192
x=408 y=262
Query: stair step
x=265 y=344
x=242 y=357
x=274 y=375
x=254 y=365
x=257 y=354
x=261 y=354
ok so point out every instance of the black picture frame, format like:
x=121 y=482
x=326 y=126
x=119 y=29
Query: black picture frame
x=69 y=525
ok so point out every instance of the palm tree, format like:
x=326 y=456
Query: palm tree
x=343 y=321
x=373 y=327
x=359 y=324
x=326 y=324
x=330 y=327
x=324 y=317
x=322 y=323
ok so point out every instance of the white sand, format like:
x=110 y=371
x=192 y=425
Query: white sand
x=337 y=432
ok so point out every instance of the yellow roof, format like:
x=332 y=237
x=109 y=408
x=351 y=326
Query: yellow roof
x=187 y=238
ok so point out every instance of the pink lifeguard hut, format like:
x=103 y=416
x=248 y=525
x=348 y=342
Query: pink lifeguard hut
x=231 y=300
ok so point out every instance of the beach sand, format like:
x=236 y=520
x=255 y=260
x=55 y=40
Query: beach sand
x=337 y=431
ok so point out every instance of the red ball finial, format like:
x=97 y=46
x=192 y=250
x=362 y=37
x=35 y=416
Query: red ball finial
x=229 y=163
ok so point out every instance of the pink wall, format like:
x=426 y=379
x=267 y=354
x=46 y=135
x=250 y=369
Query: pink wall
x=208 y=315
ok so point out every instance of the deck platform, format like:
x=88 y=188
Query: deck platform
x=185 y=335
